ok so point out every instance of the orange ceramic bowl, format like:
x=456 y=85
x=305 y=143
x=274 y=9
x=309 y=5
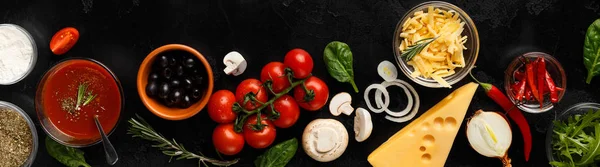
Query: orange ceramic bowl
x=158 y=108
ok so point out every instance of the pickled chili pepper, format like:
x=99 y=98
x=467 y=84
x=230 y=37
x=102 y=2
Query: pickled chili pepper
x=521 y=90
x=552 y=87
x=513 y=112
x=541 y=72
x=528 y=94
x=530 y=72
x=519 y=75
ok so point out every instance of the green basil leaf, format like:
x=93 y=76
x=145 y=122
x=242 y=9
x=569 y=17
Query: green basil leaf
x=338 y=58
x=68 y=156
x=278 y=155
x=591 y=50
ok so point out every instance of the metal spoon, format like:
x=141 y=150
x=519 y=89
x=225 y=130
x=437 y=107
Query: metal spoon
x=111 y=154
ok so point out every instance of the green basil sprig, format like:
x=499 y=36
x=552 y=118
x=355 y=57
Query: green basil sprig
x=338 y=58
x=278 y=155
x=68 y=156
x=591 y=50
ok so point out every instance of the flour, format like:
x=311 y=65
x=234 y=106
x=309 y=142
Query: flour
x=16 y=53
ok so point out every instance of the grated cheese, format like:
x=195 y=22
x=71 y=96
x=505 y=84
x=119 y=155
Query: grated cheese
x=441 y=57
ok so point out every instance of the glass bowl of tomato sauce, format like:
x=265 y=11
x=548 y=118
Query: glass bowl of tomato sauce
x=71 y=93
x=553 y=86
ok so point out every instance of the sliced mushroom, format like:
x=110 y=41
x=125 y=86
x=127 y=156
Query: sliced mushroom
x=341 y=103
x=325 y=140
x=235 y=62
x=362 y=125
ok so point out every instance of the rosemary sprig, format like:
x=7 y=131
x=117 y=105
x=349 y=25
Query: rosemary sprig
x=143 y=130
x=412 y=50
x=83 y=97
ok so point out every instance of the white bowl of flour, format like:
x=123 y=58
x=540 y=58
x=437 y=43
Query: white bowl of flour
x=18 y=54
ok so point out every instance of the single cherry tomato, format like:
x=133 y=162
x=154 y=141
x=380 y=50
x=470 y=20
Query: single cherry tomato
x=288 y=109
x=254 y=86
x=220 y=106
x=300 y=62
x=262 y=138
x=64 y=40
x=321 y=94
x=226 y=140
x=275 y=71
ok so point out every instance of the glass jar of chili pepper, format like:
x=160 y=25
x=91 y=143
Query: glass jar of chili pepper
x=535 y=81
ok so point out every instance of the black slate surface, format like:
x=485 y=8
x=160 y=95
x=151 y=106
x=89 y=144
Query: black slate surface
x=120 y=33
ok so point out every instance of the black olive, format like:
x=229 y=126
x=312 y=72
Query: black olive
x=167 y=73
x=163 y=90
x=175 y=83
x=153 y=77
x=163 y=61
x=187 y=83
x=186 y=101
x=189 y=62
x=196 y=94
x=175 y=97
x=172 y=61
x=179 y=71
x=152 y=89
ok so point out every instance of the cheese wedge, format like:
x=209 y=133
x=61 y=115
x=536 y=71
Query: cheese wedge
x=428 y=139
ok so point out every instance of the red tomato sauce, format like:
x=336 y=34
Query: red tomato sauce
x=60 y=92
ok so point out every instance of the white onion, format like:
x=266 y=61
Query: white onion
x=389 y=112
x=383 y=104
x=385 y=93
x=414 y=110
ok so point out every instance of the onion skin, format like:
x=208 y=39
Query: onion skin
x=489 y=131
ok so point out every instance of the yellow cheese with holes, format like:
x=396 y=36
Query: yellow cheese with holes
x=428 y=139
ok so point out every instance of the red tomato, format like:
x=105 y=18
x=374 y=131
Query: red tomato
x=275 y=71
x=259 y=139
x=321 y=94
x=64 y=40
x=288 y=111
x=226 y=141
x=300 y=62
x=220 y=106
x=247 y=86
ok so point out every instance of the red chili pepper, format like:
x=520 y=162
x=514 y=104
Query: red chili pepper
x=552 y=87
x=521 y=90
x=513 y=112
x=528 y=93
x=531 y=80
x=519 y=75
x=541 y=71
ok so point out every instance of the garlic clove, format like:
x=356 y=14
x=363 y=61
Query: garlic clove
x=489 y=134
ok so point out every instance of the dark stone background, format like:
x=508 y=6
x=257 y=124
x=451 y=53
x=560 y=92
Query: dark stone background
x=121 y=33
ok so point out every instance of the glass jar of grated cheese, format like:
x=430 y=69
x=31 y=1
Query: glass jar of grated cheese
x=18 y=54
x=450 y=68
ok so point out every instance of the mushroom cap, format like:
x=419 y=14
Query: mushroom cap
x=325 y=140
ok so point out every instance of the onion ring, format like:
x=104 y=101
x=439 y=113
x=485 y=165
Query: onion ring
x=385 y=93
x=415 y=110
x=406 y=91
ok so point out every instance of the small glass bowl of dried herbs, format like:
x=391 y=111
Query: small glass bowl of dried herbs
x=18 y=137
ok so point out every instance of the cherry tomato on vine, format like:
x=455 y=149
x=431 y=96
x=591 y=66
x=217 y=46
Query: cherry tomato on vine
x=64 y=40
x=262 y=138
x=220 y=106
x=288 y=109
x=300 y=62
x=254 y=86
x=321 y=94
x=226 y=140
x=275 y=71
